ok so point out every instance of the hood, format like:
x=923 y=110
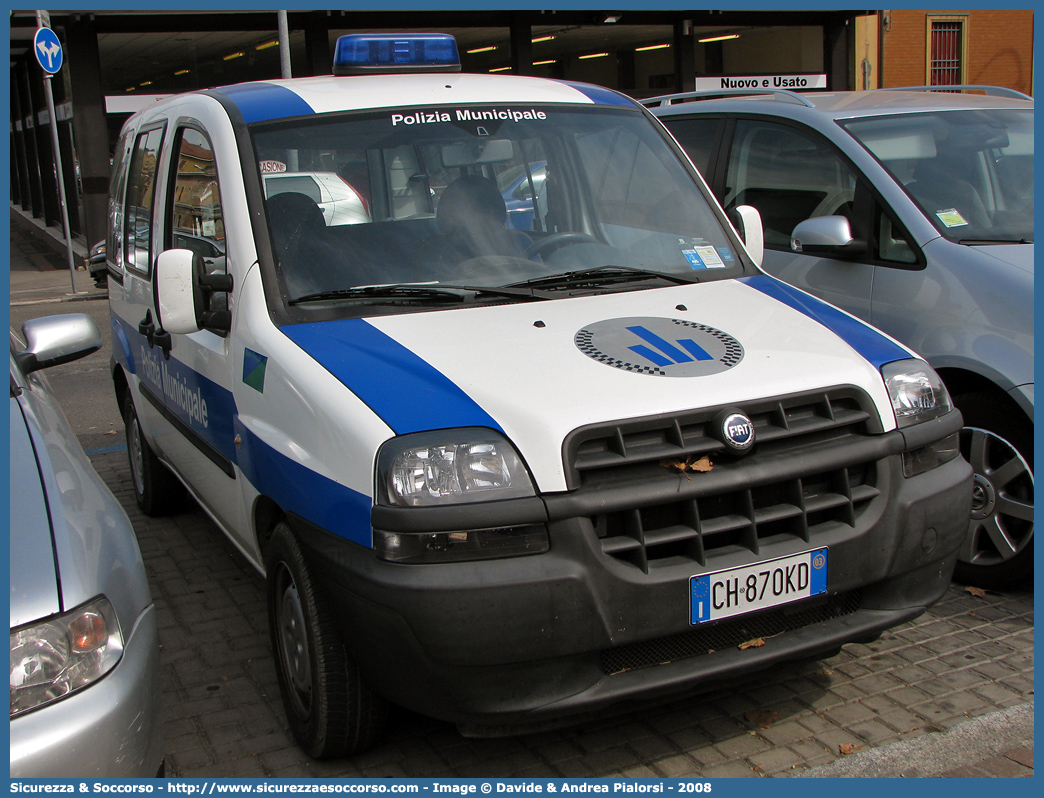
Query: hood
x=1018 y=255
x=537 y=371
x=34 y=581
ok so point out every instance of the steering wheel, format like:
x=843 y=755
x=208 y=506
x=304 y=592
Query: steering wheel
x=557 y=240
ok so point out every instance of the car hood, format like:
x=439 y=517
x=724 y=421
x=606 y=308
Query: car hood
x=538 y=371
x=34 y=580
x=1018 y=255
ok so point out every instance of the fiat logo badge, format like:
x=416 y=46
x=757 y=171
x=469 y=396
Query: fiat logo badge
x=737 y=432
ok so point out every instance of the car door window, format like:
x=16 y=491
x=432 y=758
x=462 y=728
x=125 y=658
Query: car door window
x=196 y=221
x=789 y=175
x=141 y=193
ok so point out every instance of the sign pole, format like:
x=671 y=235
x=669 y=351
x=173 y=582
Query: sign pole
x=66 y=229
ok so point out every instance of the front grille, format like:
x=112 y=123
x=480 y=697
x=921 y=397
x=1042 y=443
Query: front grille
x=606 y=453
x=726 y=634
x=745 y=519
x=744 y=511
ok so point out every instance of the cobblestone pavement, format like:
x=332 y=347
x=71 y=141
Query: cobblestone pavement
x=970 y=657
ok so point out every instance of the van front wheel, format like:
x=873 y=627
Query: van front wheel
x=157 y=491
x=331 y=711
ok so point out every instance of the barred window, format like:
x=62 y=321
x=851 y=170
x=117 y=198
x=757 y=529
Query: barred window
x=946 y=67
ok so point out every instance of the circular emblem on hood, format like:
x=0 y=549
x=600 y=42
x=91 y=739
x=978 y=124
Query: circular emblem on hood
x=660 y=347
x=737 y=432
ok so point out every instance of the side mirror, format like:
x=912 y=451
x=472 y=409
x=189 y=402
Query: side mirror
x=747 y=221
x=183 y=292
x=53 y=340
x=830 y=236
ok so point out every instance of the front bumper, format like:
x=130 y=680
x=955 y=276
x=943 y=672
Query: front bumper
x=111 y=729
x=588 y=624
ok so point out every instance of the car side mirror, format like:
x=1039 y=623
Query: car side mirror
x=830 y=236
x=53 y=340
x=747 y=221
x=184 y=289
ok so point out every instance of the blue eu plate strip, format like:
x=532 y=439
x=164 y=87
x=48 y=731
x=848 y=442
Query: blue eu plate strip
x=872 y=345
x=408 y=393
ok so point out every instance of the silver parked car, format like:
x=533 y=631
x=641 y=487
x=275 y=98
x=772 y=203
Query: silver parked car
x=913 y=210
x=84 y=651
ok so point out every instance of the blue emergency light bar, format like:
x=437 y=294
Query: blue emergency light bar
x=373 y=53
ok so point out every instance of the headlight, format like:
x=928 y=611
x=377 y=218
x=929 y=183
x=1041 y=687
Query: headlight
x=53 y=659
x=450 y=467
x=916 y=392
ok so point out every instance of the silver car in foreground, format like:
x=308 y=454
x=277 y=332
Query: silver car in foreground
x=84 y=650
x=913 y=210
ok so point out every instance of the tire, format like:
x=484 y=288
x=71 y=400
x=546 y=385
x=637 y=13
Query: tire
x=998 y=551
x=331 y=711
x=156 y=489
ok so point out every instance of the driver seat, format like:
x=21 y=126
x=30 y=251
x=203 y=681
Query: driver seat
x=472 y=219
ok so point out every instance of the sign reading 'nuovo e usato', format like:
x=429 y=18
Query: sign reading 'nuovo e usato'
x=766 y=82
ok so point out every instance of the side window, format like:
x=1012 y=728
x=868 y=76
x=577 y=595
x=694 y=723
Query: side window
x=698 y=136
x=892 y=245
x=196 y=222
x=117 y=183
x=141 y=194
x=788 y=175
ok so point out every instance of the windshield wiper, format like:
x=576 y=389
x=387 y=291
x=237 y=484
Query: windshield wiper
x=602 y=276
x=974 y=241
x=415 y=293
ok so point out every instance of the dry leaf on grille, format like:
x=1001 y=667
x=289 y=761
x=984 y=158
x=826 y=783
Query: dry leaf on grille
x=757 y=642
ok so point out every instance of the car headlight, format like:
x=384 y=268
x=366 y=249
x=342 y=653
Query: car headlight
x=57 y=657
x=456 y=466
x=916 y=392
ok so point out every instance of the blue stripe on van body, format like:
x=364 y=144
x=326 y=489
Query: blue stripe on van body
x=260 y=102
x=872 y=345
x=407 y=392
x=300 y=490
x=600 y=95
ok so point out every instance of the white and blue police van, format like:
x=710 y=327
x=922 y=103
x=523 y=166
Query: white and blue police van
x=505 y=473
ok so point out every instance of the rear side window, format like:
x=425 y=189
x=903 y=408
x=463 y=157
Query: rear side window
x=141 y=197
x=699 y=137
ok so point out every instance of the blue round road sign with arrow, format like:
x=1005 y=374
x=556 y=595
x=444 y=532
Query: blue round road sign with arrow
x=48 y=50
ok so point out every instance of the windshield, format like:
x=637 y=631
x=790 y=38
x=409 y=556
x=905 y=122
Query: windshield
x=971 y=172
x=482 y=197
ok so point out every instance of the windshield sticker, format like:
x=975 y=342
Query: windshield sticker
x=271 y=167
x=659 y=347
x=465 y=115
x=951 y=218
x=726 y=254
x=705 y=257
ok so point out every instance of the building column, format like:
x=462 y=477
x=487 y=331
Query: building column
x=684 y=56
x=21 y=187
x=838 y=38
x=36 y=111
x=318 y=55
x=521 y=44
x=90 y=131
